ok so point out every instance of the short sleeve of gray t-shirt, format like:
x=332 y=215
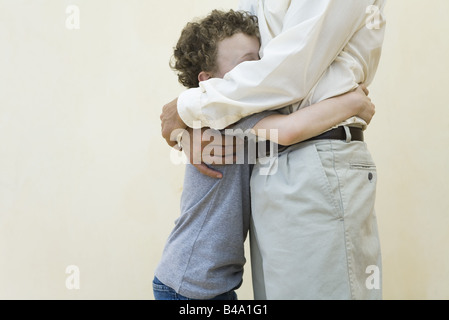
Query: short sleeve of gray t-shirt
x=249 y=122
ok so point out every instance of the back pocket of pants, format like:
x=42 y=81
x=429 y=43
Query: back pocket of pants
x=367 y=170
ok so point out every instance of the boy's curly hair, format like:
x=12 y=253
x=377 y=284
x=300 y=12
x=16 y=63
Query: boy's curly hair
x=197 y=47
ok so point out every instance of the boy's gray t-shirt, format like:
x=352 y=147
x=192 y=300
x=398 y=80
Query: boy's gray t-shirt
x=204 y=254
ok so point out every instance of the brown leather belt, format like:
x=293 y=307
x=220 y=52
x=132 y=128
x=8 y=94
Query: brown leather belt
x=340 y=134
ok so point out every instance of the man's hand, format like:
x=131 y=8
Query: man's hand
x=201 y=146
x=208 y=146
x=171 y=121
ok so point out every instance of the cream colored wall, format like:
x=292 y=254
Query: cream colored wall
x=409 y=139
x=86 y=180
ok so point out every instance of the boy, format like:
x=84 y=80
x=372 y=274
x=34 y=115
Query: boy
x=204 y=255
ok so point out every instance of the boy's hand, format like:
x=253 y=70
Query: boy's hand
x=171 y=121
x=366 y=108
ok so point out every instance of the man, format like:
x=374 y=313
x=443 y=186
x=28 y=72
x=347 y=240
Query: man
x=314 y=231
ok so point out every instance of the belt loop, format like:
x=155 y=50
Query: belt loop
x=348 y=134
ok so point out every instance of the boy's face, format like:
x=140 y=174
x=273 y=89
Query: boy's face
x=235 y=50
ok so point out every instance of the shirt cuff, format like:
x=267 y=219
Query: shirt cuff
x=189 y=108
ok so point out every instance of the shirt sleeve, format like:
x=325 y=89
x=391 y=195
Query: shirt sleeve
x=313 y=35
x=248 y=5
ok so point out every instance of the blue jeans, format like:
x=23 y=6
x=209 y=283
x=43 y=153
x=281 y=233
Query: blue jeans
x=163 y=292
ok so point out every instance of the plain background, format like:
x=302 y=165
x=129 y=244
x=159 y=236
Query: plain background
x=86 y=179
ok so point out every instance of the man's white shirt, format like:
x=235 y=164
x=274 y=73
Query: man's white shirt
x=311 y=50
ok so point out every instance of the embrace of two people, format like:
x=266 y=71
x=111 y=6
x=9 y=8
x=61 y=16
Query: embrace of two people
x=294 y=72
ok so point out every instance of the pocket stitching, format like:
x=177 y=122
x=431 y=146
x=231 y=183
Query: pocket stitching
x=362 y=166
x=325 y=180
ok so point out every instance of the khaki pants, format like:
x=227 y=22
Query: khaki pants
x=314 y=231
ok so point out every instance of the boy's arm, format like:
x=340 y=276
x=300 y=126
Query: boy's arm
x=311 y=121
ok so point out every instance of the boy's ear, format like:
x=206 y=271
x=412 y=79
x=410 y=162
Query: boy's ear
x=203 y=76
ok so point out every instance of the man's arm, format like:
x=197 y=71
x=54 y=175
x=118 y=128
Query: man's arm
x=309 y=122
x=313 y=35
